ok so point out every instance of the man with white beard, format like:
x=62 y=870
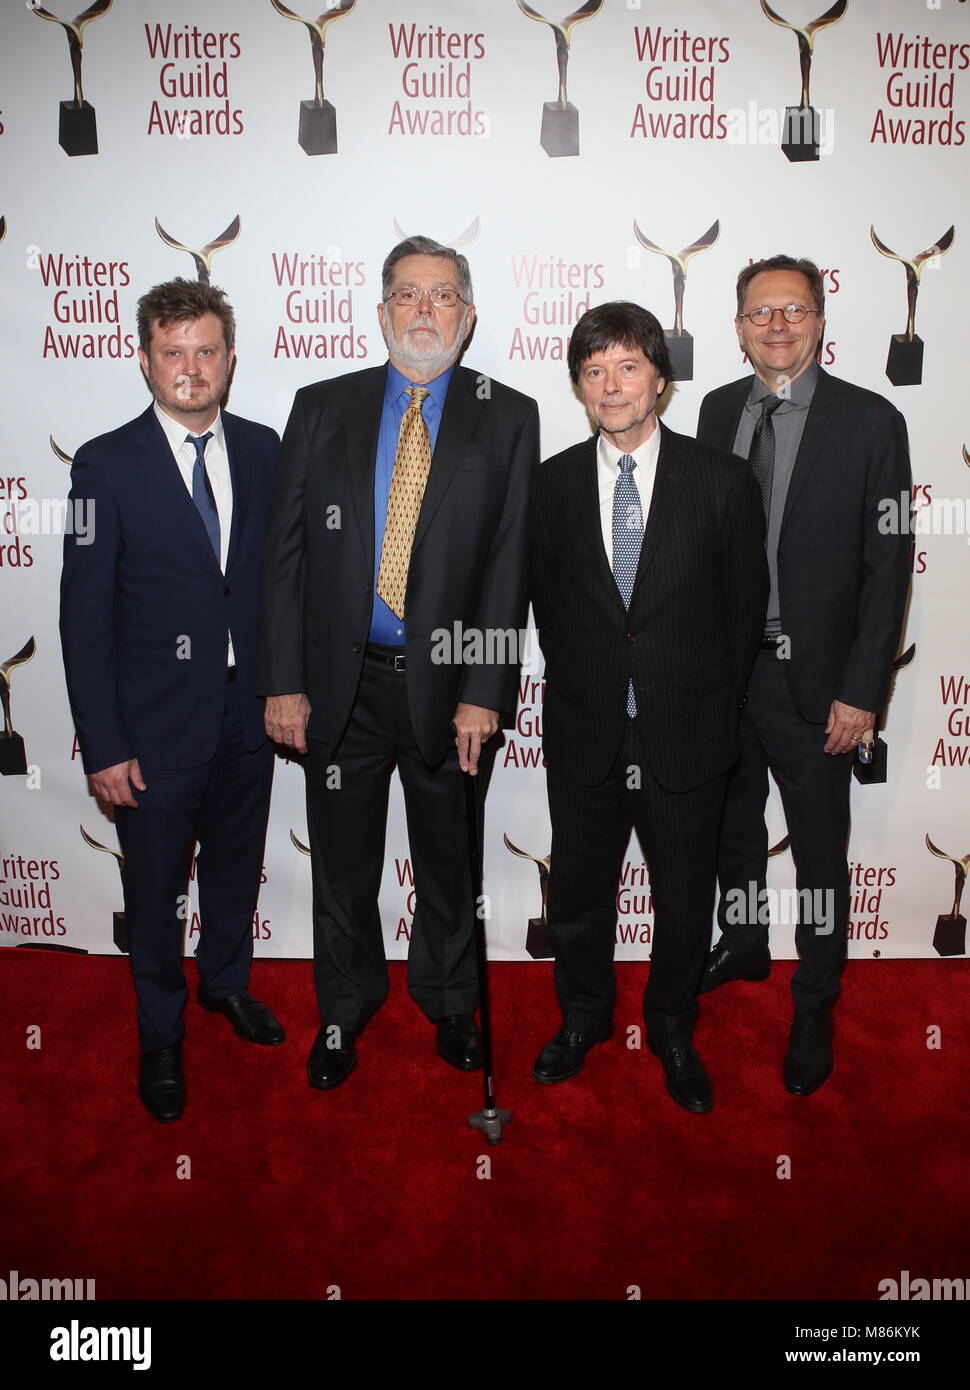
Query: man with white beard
x=400 y=514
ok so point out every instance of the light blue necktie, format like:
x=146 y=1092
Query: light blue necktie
x=202 y=494
x=627 y=540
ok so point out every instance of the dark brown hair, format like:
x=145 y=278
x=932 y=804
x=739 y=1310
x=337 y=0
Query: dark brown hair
x=620 y=323
x=179 y=300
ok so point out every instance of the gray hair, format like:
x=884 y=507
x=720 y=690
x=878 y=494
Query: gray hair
x=424 y=246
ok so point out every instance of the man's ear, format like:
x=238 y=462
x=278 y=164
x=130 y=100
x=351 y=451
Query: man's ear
x=143 y=361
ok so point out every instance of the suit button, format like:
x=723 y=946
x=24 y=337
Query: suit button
x=356 y=646
x=226 y=591
x=631 y=637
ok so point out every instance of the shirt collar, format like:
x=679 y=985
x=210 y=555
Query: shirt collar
x=175 y=433
x=398 y=383
x=646 y=455
x=799 y=394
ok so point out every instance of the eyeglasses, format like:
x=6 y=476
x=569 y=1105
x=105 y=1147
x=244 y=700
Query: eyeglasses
x=409 y=297
x=794 y=313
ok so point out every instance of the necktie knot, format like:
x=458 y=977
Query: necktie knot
x=418 y=395
x=627 y=463
x=769 y=405
x=199 y=441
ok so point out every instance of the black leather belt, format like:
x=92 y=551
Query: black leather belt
x=770 y=644
x=390 y=656
x=231 y=673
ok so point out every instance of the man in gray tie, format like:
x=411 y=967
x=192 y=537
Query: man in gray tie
x=649 y=588
x=825 y=455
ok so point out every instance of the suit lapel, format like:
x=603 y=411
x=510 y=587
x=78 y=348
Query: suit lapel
x=590 y=523
x=240 y=473
x=726 y=415
x=667 y=486
x=164 y=491
x=363 y=427
x=815 y=431
x=458 y=421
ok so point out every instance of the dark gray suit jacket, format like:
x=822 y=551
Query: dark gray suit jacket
x=842 y=579
x=468 y=561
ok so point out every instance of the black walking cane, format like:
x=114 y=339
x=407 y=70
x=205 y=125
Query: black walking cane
x=490 y=1120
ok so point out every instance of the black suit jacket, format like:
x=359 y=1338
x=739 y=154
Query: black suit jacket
x=468 y=562
x=689 y=639
x=145 y=606
x=842 y=581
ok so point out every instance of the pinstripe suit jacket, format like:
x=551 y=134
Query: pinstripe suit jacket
x=689 y=638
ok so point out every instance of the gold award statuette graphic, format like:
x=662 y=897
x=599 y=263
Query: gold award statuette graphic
x=318 y=119
x=950 y=936
x=78 y=129
x=904 y=365
x=203 y=258
x=119 y=931
x=537 y=941
x=680 y=344
x=801 y=131
x=560 y=118
x=13 y=754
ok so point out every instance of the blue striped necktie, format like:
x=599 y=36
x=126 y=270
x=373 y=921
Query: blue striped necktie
x=202 y=494
x=627 y=541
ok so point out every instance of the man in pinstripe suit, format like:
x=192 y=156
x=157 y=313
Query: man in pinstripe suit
x=649 y=633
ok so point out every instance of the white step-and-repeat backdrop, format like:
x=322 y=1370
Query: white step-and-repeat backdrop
x=623 y=150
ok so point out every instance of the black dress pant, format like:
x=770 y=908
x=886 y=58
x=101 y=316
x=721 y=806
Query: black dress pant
x=224 y=804
x=347 y=797
x=678 y=836
x=814 y=788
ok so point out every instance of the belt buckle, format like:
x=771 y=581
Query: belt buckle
x=399 y=663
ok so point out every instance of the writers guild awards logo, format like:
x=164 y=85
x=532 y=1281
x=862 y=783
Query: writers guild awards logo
x=904 y=365
x=304 y=849
x=871 y=762
x=119 y=930
x=680 y=344
x=78 y=129
x=59 y=452
x=203 y=258
x=466 y=238
x=537 y=941
x=950 y=936
x=3 y=228
x=318 y=119
x=966 y=456
x=13 y=754
x=560 y=118
x=802 y=129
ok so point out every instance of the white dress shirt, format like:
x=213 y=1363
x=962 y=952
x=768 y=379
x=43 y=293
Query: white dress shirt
x=608 y=470
x=216 y=466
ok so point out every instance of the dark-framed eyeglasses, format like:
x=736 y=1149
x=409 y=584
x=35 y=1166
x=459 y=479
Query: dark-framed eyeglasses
x=794 y=313
x=409 y=297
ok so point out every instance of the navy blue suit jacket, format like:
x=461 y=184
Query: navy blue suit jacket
x=145 y=606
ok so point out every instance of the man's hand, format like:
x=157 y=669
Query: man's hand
x=473 y=726
x=846 y=725
x=286 y=719
x=113 y=784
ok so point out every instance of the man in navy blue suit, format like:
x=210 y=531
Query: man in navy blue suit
x=158 y=626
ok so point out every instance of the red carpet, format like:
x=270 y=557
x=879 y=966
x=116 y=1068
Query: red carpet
x=599 y=1184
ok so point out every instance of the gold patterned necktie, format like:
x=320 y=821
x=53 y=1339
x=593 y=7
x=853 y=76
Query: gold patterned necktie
x=412 y=463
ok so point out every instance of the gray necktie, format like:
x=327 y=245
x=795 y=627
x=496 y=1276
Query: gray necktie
x=627 y=541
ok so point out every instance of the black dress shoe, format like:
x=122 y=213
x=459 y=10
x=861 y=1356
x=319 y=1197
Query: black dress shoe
x=564 y=1056
x=161 y=1085
x=723 y=966
x=329 y=1065
x=251 y=1019
x=808 y=1061
x=687 y=1081
x=458 y=1042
